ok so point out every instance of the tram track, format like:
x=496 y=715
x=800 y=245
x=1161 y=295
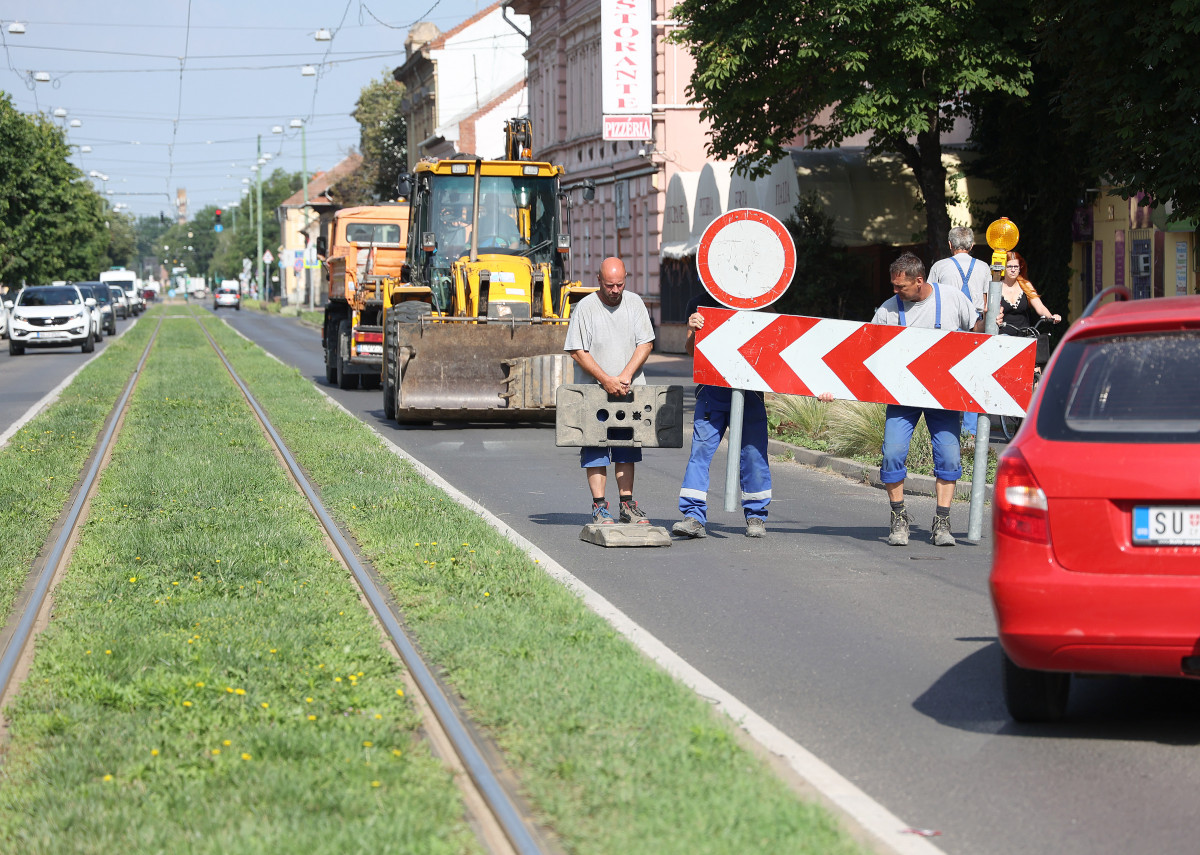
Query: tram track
x=496 y=813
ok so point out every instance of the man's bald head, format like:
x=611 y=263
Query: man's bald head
x=611 y=279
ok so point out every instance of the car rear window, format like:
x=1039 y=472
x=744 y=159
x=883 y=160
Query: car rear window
x=1133 y=388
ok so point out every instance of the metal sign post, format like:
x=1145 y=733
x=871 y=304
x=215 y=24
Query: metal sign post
x=746 y=259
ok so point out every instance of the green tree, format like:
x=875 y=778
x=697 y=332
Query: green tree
x=122 y=241
x=1129 y=90
x=383 y=141
x=828 y=282
x=51 y=219
x=226 y=250
x=1036 y=163
x=896 y=70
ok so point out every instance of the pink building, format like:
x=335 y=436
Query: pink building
x=565 y=90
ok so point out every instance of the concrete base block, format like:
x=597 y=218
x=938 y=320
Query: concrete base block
x=625 y=534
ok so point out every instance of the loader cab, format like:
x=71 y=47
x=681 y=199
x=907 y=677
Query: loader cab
x=517 y=214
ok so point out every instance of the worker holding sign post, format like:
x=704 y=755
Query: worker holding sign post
x=746 y=259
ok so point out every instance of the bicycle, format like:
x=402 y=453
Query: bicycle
x=1009 y=425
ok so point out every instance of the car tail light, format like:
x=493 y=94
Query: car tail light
x=1021 y=508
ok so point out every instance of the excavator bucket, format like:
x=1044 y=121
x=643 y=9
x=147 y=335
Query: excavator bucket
x=493 y=371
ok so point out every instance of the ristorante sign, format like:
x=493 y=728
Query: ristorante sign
x=626 y=57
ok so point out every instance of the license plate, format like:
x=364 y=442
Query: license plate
x=49 y=334
x=371 y=349
x=1166 y=525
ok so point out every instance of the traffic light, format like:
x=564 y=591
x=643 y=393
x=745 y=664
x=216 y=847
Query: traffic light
x=217 y=221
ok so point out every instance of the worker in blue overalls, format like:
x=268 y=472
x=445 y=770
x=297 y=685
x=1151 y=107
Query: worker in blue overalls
x=711 y=420
x=919 y=303
x=973 y=277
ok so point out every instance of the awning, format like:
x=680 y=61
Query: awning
x=677 y=216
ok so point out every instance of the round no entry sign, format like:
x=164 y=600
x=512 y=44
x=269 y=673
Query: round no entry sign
x=746 y=259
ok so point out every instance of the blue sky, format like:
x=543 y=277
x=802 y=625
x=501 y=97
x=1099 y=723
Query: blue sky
x=173 y=94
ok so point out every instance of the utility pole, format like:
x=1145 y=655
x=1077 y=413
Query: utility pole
x=304 y=178
x=264 y=291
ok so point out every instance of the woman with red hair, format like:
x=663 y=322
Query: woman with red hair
x=1019 y=302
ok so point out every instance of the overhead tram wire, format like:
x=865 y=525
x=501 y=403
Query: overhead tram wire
x=187 y=39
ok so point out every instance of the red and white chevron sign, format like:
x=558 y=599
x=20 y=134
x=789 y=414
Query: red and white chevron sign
x=912 y=366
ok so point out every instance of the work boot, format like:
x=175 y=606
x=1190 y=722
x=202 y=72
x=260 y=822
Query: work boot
x=755 y=527
x=689 y=527
x=600 y=514
x=899 y=533
x=939 y=534
x=631 y=513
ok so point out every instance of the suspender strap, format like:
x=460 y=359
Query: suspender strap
x=937 y=308
x=966 y=277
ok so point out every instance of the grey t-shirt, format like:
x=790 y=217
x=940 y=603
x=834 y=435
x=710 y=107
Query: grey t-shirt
x=610 y=335
x=957 y=311
x=979 y=278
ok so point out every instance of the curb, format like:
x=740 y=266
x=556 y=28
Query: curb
x=920 y=485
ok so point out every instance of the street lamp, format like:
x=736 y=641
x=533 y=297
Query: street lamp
x=16 y=28
x=306 y=71
x=299 y=123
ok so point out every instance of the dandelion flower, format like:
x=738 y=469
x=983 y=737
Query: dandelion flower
x=368 y=744
x=108 y=777
x=308 y=700
x=265 y=705
x=227 y=743
x=187 y=703
x=132 y=579
x=400 y=692
x=200 y=685
x=239 y=691
x=153 y=752
x=312 y=718
x=375 y=784
x=396 y=752
x=245 y=756
x=108 y=653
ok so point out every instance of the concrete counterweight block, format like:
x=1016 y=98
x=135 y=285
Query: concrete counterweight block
x=625 y=534
x=648 y=417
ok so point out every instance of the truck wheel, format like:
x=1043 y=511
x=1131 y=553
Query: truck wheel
x=344 y=379
x=330 y=357
x=411 y=311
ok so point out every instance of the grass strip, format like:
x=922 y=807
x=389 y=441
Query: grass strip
x=614 y=754
x=211 y=682
x=44 y=459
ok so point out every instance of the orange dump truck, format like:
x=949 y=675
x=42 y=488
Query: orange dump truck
x=363 y=264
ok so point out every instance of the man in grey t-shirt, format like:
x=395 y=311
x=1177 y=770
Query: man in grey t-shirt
x=919 y=303
x=610 y=337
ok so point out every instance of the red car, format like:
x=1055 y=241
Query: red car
x=1096 y=563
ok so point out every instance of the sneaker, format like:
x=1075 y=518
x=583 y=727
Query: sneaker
x=600 y=514
x=899 y=533
x=631 y=513
x=940 y=534
x=755 y=527
x=689 y=527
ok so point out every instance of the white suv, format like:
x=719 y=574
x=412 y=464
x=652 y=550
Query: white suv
x=50 y=316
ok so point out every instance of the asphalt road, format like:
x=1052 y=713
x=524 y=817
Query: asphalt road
x=25 y=379
x=882 y=661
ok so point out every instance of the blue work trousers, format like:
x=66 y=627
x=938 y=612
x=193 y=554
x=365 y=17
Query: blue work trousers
x=712 y=418
x=897 y=436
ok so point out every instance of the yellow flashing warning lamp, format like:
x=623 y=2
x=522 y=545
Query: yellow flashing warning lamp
x=1002 y=236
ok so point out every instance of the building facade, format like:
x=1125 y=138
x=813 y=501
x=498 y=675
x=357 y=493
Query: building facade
x=461 y=86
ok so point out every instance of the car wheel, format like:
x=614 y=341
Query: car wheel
x=345 y=380
x=99 y=334
x=238 y=307
x=1035 y=696
x=89 y=344
x=15 y=349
